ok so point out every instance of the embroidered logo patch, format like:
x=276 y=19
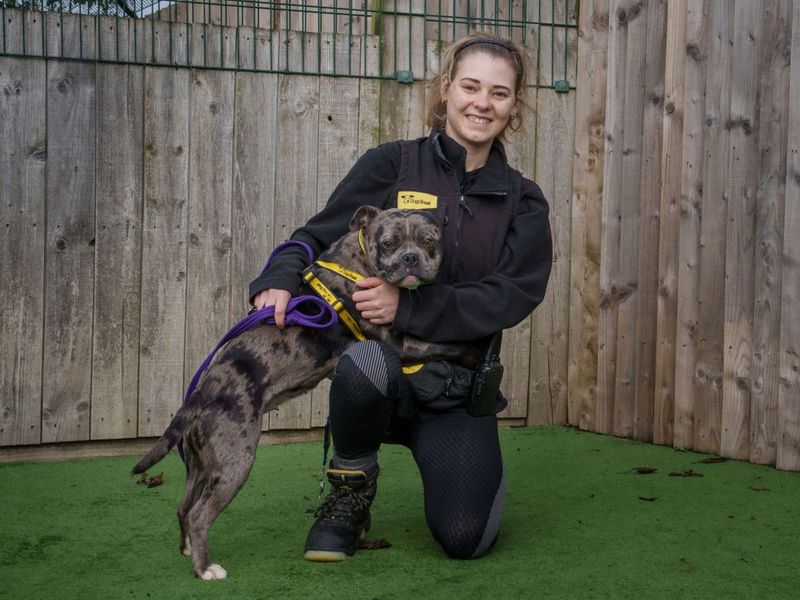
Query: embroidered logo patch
x=416 y=200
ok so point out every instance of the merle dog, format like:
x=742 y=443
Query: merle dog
x=220 y=422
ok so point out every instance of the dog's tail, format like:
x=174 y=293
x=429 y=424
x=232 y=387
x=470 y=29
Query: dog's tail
x=164 y=444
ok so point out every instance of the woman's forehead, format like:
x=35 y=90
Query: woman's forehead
x=486 y=68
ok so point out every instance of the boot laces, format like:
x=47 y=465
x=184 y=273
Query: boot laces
x=342 y=504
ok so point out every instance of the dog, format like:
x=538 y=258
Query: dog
x=220 y=423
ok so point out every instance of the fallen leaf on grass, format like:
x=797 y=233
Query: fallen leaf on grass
x=689 y=566
x=755 y=489
x=374 y=544
x=641 y=470
x=713 y=460
x=646 y=499
x=685 y=473
x=154 y=481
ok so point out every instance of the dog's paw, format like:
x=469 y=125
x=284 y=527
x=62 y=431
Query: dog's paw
x=213 y=572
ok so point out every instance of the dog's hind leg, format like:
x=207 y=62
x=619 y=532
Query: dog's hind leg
x=216 y=496
x=192 y=491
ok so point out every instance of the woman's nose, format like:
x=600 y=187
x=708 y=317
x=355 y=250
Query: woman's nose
x=481 y=101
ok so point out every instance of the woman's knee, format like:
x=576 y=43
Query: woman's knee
x=469 y=531
x=361 y=402
x=465 y=540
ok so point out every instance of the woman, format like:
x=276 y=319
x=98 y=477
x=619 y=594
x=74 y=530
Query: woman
x=497 y=256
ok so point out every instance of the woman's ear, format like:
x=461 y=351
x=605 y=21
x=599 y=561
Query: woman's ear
x=443 y=87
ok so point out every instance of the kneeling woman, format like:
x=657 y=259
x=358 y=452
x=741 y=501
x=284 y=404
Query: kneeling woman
x=497 y=258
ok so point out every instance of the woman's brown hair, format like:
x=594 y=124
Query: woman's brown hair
x=488 y=43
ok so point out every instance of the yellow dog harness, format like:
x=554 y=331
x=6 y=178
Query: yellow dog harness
x=324 y=292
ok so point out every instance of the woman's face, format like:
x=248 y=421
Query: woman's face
x=480 y=100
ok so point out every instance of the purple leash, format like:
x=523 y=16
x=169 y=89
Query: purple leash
x=294 y=316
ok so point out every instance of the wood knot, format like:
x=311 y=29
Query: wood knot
x=693 y=51
x=64 y=84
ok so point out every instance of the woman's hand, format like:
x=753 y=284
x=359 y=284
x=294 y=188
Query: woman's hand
x=376 y=300
x=277 y=298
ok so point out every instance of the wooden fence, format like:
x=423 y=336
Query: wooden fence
x=137 y=202
x=685 y=257
x=671 y=314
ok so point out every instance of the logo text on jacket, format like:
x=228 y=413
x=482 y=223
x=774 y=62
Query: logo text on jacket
x=415 y=200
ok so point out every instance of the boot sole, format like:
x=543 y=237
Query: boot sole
x=325 y=556
x=333 y=555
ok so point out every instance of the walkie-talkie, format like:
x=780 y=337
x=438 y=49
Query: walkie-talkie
x=486 y=384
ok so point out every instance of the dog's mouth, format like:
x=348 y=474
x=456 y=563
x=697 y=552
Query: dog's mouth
x=410 y=282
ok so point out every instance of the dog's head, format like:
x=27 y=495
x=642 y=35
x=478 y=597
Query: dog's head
x=402 y=247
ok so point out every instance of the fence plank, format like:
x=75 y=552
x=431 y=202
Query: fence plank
x=609 y=242
x=210 y=183
x=740 y=194
x=585 y=236
x=709 y=371
x=693 y=151
x=644 y=349
x=626 y=277
x=789 y=391
x=69 y=251
x=22 y=246
x=115 y=348
x=254 y=163
x=401 y=109
x=620 y=217
x=669 y=226
x=295 y=193
x=549 y=360
x=772 y=139
x=166 y=189
x=338 y=151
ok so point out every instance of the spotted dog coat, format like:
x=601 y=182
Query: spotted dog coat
x=220 y=423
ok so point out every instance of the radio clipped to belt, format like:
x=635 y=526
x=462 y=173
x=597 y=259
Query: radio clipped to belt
x=486 y=384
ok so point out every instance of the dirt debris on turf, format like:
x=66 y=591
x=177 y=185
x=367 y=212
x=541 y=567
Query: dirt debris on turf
x=641 y=470
x=150 y=482
x=685 y=473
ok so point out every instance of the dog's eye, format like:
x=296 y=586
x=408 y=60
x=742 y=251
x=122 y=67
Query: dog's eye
x=429 y=243
x=388 y=244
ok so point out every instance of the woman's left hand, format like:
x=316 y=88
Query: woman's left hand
x=376 y=300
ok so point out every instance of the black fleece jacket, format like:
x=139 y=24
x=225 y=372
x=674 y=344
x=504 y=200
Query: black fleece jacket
x=460 y=311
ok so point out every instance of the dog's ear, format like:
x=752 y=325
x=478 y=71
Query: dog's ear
x=363 y=217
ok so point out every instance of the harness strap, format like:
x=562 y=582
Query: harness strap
x=324 y=292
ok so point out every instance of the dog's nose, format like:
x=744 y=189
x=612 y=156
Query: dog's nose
x=410 y=259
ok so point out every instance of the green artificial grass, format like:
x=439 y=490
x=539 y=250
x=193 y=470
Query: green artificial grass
x=578 y=524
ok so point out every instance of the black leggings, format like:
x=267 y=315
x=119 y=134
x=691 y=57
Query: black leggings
x=458 y=455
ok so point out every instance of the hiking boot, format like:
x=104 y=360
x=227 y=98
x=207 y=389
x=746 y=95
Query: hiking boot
x=343 y=517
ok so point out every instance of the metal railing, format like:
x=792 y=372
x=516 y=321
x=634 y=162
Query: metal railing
x=386 y=39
